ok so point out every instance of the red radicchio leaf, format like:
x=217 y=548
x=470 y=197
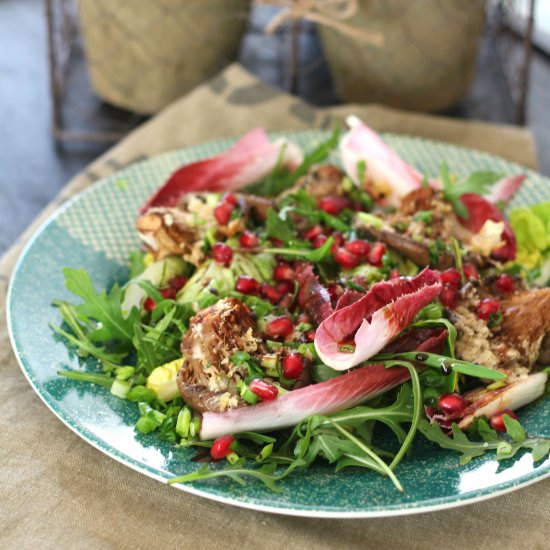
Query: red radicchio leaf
x=430 y=340
x=375 y=319
x=313 y=297
x=479 y=211
x=340 y=393
x=250 y=159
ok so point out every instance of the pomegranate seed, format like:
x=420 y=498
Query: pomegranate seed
x=310 y=335
x=335 y=291
x=449 y=296
x=277 y=242
x=333 y=204
x=248 y=240
x=272 y=294
x=247 y=285
x=338 y=238
x=470 y=271
x=313 y=232
x=279 y=327
x=505 y=283
x=451 y=403
x=319 y=241
x=345 y=258
x=222 y=447
x=264 y=390
x=451 y=277
x=283 y=272
x=168 y=293
x=487 y=307
x=359 y=248
x=376 y=253
x=497 y=422
x=149 y=304
x=177 y=282
x=395 y=274
x=229 y=198
x=285 y=287
x=223 y=212
x=222 y=254
x=293 y=365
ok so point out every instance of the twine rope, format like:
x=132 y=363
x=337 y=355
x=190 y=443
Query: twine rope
x=330 y=13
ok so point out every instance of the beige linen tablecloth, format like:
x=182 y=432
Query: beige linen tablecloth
x=58 y=491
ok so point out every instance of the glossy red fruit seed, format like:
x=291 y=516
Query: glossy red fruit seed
x=293 y=365
x=333 y=204
x=285 y=287
x=283 y=272
x=169 y=293
x=230 y=199
x=451 y=403
x=376 y=253
x=277 y=242
x=248 y=240
x=271 y=294
x=313 y=232
x=451 y=277
x=449 y=296
x=335 y=291
x=264 y=390
x=222 y=254
x=487 y=307
x=319 y=241
x=221 y=447
x=505 y=283
x=338 y=238
x=345 y=258
x=470 y=271
x=310 y=335
x=359 y=247
x=149 y=304
x=497 y=422
x=223 y=212
x=280 y=327
x=177 y=282
x=247 y=285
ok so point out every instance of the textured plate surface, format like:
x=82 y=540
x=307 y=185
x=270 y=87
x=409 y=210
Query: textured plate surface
x=95 y=231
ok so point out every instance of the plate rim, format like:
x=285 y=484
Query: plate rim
x=432 y=504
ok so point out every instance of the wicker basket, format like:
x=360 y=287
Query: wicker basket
x=142 y=55
x=428 y=58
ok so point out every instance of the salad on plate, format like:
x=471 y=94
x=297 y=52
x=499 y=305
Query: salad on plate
x=334 y=305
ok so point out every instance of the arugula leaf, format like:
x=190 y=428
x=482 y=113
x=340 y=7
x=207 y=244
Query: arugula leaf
x=313 y=157
x=102 y=307
x=281 y=178
x=458 y=441
x=478 y=182
x=100 y=379
x=280 y=229
x=438 y=361
x=317 y=255
x=514 y=429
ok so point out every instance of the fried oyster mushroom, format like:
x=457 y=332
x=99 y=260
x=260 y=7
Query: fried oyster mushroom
x=208 y=378
x=181 y=230
x=515 y=345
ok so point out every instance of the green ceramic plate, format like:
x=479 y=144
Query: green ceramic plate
x=95 y=231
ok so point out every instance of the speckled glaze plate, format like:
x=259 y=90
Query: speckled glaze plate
x=95 y=231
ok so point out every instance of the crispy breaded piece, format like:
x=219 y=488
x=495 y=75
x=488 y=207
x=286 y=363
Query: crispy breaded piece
x=208 y=379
